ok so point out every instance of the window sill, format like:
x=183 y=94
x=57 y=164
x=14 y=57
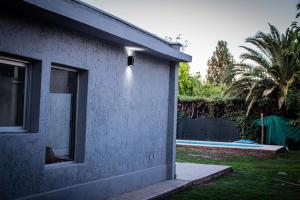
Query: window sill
x=62 y=164
x=16 y=133
x=13 y=129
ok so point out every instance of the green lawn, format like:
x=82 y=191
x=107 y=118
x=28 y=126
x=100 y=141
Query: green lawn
x=253 y=178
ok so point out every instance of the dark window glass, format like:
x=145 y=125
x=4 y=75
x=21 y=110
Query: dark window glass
x=63 y=81
x=12 y=84
x=60 y=140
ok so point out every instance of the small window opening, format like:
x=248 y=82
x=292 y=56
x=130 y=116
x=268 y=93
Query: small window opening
x=61 y=128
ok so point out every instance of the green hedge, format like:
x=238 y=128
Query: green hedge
x=195 y=107
x=231 y=109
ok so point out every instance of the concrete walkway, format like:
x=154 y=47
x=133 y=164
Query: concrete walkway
x=187 y=175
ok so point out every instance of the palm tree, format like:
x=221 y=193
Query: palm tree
x=298 y=8
x=268 y=70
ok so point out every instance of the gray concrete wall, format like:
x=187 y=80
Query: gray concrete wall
x=126 y=120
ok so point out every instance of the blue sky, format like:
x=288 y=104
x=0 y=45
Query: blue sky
x=203 y=22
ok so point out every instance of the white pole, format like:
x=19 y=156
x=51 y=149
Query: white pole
x=262 y=127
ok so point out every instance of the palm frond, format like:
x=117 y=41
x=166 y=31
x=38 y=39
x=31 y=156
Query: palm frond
x=298 y=8
x=271 y=68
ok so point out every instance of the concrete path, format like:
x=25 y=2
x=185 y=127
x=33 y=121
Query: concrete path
x=199 y=172
x=187 y=175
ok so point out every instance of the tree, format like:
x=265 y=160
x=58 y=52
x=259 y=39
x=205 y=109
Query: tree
x=198 y=76
x=187 y=85
x=191 y=85
x=296 y=33
x=272 y=71
x=294 y=97
x=211 y=91
x=220 y=59
x=183 y=78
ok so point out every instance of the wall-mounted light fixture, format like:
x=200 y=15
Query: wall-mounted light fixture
x=130 y=61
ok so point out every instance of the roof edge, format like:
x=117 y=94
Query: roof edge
x=114 y=28
x=125 y=22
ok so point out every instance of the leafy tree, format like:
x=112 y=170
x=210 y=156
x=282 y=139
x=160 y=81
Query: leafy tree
x=293 y=99
x=183 y=78
x=191 y=85
x=194 y=89
x=295 y=35
x=220 y=59
x=211 y=90
x=187 y=85
x=198 y=76
x=272 y=71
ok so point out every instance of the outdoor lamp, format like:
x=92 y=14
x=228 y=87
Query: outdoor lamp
x=130 y=61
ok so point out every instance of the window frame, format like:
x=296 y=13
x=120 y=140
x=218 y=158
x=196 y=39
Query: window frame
x=24 y=64
x=73 y=128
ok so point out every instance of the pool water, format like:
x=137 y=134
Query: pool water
x=219 y=144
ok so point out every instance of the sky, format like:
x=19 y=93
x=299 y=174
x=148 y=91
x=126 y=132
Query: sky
x=203 y=22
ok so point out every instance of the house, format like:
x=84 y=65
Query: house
x=87 y=102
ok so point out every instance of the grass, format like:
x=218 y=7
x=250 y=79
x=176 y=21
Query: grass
x=253 y=178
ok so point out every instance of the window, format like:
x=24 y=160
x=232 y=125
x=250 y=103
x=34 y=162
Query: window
x=13 y=88
x=60 y=140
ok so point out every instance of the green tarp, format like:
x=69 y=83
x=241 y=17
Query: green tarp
x=278 y=130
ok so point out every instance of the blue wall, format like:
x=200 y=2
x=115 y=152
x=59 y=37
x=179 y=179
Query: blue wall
x=126 y=122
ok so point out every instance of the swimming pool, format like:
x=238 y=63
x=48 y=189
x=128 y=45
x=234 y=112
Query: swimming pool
x=222 y=144
x=247 y=149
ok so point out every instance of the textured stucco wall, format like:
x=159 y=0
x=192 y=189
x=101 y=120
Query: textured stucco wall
x=127 y=114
